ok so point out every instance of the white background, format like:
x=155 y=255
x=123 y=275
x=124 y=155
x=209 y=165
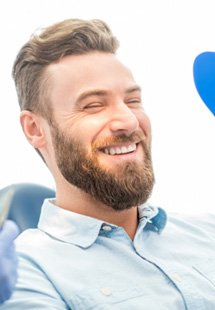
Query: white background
x=159 y=42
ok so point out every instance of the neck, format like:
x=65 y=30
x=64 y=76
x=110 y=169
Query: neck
x=73 y=199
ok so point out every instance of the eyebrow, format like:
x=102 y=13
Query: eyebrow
x=88 y=93
x=99 y=92
x=133 y=89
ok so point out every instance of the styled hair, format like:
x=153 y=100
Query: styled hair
x=69 y=37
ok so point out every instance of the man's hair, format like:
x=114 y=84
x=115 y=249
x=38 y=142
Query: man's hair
x=69 y=37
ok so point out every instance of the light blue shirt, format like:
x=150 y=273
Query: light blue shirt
x=77 y=262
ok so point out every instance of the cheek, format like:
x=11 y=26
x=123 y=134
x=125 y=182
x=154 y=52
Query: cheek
x=145 y=124
x=88 y=129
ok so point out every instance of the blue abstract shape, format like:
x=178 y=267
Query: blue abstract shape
x=204 y=78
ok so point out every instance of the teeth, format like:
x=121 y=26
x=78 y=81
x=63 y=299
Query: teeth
x=130 y=148
x=120 y=150
x=124 y=149
x=112 y=151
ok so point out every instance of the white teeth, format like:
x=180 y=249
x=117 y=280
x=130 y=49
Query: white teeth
x=130 y=148
x=120 y=150
x=112 y=151
x=124 y=149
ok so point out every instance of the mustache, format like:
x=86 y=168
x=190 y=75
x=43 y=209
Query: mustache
x=136 y=137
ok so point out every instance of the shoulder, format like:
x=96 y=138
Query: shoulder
x=30 y=239
x=34 y=289
x=29 y=234
x=200 y=224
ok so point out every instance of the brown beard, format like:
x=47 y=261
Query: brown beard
x=130 y=185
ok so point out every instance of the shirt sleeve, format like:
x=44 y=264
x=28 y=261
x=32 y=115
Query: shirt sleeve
x=33 y=290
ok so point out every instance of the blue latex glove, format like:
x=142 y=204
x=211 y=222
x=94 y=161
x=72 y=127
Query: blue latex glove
x=8 y=260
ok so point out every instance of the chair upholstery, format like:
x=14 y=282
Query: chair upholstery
x=26 y=203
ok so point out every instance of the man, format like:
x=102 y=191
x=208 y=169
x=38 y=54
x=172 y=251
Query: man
x=99 y=245
x=8 y=260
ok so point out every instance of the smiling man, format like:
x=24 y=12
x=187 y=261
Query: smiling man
x=99 y=135
x=99 y=244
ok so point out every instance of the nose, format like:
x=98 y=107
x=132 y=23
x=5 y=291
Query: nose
x=123 y=120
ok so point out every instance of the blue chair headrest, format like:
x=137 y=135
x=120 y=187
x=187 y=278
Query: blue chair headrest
x=26 y=203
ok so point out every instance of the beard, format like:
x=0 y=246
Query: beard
x=123 y=187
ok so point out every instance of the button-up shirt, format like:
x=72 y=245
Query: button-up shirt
x=77 y=262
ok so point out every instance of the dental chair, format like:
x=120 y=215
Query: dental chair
x=26 y=203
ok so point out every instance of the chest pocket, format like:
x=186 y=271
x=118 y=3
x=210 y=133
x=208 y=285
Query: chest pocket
x=106 y=298
x=207 y=269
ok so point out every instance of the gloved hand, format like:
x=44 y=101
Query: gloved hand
x=8 y=259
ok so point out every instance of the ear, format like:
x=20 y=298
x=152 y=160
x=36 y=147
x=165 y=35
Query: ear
x=33 y=128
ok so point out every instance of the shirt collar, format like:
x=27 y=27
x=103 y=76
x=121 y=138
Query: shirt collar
x=83 y=230
x=152 y=218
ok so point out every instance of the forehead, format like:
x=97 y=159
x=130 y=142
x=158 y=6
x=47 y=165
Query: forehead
x=77 y=73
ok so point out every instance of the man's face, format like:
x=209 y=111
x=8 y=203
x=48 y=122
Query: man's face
x=100 y=133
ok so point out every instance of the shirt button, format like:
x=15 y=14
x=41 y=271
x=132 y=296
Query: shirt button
x=107 y=228
x=106 y=291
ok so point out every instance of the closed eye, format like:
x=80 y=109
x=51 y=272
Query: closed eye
x=136 y=102
x=93 y=107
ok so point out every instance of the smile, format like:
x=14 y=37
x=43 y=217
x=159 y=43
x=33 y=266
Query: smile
x=120 y=150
